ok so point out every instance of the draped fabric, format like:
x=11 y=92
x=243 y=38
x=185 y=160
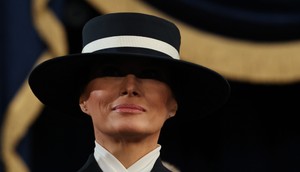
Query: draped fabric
x=33 y=33
x=254 y=44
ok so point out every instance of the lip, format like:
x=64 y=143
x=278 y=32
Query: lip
x=128 y=108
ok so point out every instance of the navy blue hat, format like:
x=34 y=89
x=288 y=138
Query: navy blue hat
x=129 y=37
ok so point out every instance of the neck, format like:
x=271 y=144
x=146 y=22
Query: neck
x=128 y=151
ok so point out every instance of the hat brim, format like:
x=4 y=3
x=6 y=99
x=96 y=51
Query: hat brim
x=199 y=90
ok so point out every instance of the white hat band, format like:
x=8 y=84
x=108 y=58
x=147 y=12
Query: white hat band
x=131 y=41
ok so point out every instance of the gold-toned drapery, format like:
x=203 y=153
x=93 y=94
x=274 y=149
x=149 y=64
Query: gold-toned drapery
x=25 y=107
x=246 y=61
x=277 y=63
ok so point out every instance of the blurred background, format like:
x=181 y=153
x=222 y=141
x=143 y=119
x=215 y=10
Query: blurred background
x=254 y=44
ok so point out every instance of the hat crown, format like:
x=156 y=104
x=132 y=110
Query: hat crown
x=138 y=28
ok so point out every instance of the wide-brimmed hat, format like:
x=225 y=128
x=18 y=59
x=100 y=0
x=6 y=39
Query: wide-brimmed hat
x=129 y=37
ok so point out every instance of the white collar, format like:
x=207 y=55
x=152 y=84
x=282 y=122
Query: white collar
x=109 y=163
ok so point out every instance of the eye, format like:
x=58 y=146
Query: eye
x=150 y=74
x=111 y=71
x=107 y=71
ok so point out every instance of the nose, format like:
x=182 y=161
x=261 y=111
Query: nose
x=130 y=86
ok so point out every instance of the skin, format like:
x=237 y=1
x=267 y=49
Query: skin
x=128 y=113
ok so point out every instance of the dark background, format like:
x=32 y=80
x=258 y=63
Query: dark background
x=256 y=131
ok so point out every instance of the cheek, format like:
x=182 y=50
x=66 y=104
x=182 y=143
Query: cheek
x=161 y=101
x=99 y=101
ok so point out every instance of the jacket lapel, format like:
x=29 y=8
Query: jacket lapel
x=90 y=166
x=159 y=167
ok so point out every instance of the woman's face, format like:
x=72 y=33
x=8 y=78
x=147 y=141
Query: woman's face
x=128 y=103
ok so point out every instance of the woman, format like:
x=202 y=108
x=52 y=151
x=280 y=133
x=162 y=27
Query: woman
x=129 y=80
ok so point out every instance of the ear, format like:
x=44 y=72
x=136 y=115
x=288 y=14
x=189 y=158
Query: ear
x=83 y=105
x=173 y=108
